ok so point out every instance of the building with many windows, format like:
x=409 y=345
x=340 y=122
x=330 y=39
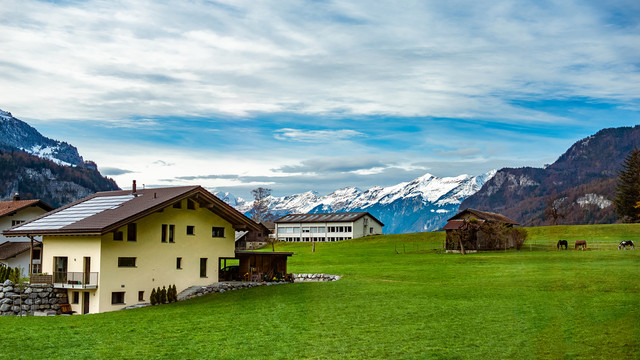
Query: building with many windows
x=111 y=249
x=326 y=227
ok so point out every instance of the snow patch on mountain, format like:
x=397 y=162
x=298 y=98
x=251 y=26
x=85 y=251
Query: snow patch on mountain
x=422 y=204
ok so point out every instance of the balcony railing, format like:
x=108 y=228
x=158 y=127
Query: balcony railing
x=75 y=280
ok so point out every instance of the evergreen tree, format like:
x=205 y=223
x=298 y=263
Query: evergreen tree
x=163 y=295
x=627 y=199
x=175 y=293
x=154 y=297
x=3 y=271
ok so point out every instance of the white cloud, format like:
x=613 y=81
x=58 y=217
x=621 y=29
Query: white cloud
x=316 y=136
x=114 y=60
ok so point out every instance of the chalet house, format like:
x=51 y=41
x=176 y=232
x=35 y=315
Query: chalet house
x=109 y=250
x=474 y=226
x=16 y=252
x=326 y=227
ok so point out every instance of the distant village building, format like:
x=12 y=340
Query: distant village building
x=251 y=240
x=326 y=227
x=480 y=230
x=15 y=252
x=111 y=249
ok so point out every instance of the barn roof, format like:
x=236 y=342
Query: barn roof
x=106 y=211
x=325 y=217
x=481 y=215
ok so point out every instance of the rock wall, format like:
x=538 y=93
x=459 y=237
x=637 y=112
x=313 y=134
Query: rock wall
x=35 y=298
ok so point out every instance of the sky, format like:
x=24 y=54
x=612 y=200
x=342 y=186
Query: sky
x=318 y=95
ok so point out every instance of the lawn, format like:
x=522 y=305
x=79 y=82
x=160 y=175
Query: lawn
x=400 y=297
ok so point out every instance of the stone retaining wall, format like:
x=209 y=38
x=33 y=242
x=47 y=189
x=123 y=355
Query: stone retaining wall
x=229 y=286
x=36 y=298
x=314 y=277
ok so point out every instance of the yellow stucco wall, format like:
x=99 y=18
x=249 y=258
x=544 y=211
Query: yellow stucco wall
x=155 y=260
x=75 y=248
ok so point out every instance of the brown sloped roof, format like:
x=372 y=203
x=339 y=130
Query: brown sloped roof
x=8 y=207
x=484 y=215
x=103 y=212
x=325 y=217
x=9 y=249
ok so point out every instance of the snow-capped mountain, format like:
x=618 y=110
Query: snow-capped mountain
x=17 y=134
x=422 y=204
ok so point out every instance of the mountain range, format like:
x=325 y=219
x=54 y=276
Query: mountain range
x=580 y=185
x=422 y=204
x=37 y=167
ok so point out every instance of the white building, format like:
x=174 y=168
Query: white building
x=326 y=227
x=16 y=252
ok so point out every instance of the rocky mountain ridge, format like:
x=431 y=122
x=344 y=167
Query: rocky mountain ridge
x=22 y=136
x=422 y=204
x=580 y=184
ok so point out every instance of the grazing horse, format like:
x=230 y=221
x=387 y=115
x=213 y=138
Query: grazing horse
x=581 y=244
x=563 y=243
x=625 y=243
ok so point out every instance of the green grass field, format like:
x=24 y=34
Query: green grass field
x=420 y=303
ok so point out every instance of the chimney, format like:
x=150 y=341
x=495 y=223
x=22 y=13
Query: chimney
x=16 y=197
x=133 y=188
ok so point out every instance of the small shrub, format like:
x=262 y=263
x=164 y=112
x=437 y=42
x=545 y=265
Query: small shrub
x=163 y=295
x=154 y=297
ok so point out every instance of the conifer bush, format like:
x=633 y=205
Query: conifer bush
x=154 y=297
x=163 y=295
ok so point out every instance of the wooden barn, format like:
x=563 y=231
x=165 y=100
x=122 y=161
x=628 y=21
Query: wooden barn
x=473 y=230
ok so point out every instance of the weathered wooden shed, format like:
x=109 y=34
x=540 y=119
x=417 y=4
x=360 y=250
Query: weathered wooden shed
x=479 y=230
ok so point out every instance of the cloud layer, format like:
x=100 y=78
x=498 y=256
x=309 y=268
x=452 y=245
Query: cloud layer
x=318 y=94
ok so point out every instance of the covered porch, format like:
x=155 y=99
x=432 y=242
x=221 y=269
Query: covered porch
x=254 y=266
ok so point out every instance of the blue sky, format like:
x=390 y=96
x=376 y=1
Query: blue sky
x=301 y=95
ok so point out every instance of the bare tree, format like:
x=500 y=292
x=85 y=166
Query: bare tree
x=555 y=209
x=260 y=211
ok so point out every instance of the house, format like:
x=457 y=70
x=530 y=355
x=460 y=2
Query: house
x=111 y=249
x=326 y=227
x=249 y=240
x=14 y=252
x=479 y=230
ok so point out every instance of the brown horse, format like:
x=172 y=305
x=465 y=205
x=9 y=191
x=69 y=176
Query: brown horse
x=581 y=244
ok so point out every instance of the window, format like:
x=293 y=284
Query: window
x=321 y=230
x=118 y=236
x=140 y=295
x=191 y=205
x=179 y=263
x=16 y=222
x=75 y=298
x=347 y=228
x=37 y=268
x=305 y=229
x=117 y=298
x=217 y=232
x=36 y=254
x=341 y=229
x=167 y=230
x=126 y=262
x=132 y=232
x=191 y=230
x=178 y=205
x=203 y=267
x=371 y=230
